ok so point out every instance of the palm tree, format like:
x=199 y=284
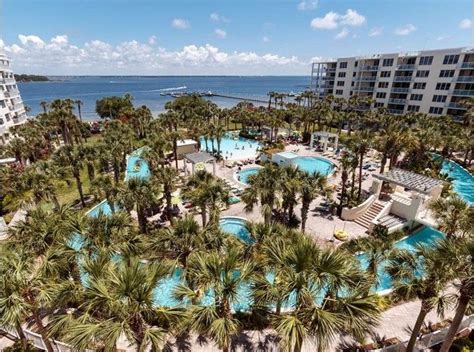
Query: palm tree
x=345 y=164
x=360 y=145
x=404 y=267
x=208 y=193
x=69 y=158
x=167 y=177
x=459 y=252
x=104 y=187
x=89 y=155
x=44 y=105
x=79 y=104
x=453 y=215
x=311 y=186
x=213 y=271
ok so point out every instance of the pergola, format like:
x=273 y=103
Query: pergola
x=325 y=137
x=198 y=158
x=412 y=181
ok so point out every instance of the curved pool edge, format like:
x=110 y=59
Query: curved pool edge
x=333 y=164
x=234 y=175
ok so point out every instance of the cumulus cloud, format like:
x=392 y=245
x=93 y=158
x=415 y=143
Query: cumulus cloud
x=376 y=31
x=180 y=23
x=215 y=17
x=405 y=30
x=307 y=5
x=443 y=37
x=333 y=20
x=32 y=54
x=220 y=33
x=152 y=40
x=465 y=24
x=60 y=39
x=2 y=43
x=342 y=34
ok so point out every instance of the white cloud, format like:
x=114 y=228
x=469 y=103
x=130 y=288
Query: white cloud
x=342 y=34
x=215 y=17
x=265 y=39
x=443 y=37
x=307 y=5
x=60 y=39
x=220 y=33
x=31 y=40
x=2 y=44
x=376 y=31
x=152 y=40
x=134 y=57
x=405 y=30
x=329 y=21
x=180 y=23
x=465 y=24
x=332 y=20
x=352 y=18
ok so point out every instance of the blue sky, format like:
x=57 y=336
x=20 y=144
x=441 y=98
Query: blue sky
x=220 y=37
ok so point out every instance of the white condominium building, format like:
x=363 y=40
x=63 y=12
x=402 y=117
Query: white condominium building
x=432 y=81
x=12 y=111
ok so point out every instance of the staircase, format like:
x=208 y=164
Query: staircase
x=370 y=214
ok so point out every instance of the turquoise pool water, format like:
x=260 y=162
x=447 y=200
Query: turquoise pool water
x=236 y=227
x=234 y=148
x=136 y=166
x=463 y=181
x=313 y=164
x=103 y=207
x=427 y=236
x=243 y=175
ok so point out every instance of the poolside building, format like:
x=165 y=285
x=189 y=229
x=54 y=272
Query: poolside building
x=431 y=81
x=12 y=111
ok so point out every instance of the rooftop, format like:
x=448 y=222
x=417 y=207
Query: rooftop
x=199 y=157
x=410 y=180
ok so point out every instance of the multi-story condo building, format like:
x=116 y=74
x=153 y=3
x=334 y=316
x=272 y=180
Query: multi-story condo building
x=12 y=111
x=433 y=81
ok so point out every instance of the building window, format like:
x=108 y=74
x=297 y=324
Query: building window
x=435 y=110
x=343 y=64
x=419 y=85
x=387 y=62
x=353 y=74
x=439 y=98
x=443 y=86
x=1 y=122
x=340 y=83
x=385 y=74
x=446 y=73
x=383 y=84
x=416 y=97
x=378 y=104
x=451 y=59
x=341 y=74
x=413 y=108
x=339 y=91
x=356 y=64
x=422 y=73
x=426 y=60
x=381 y=95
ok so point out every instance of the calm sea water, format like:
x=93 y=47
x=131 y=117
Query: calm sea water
x=146 y=90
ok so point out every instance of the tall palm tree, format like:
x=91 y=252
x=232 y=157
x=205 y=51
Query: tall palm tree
x=103 y=187
x=167 y=177
x=453 y=214
x=404 y=267
x=208 y=193
x=69 y=158
x=311 y=186
x=79 y=104
x=360 y=145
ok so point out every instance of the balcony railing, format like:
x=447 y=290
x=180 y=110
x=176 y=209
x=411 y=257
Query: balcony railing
x=403 y=78
x=455 y=106
x=367 y=79
x=465 y=79
x=6 y=94
x=463 y=92
x=364 y=89
x=466 y=65
x=330 y=69
x=395 y=111
x=406 y=67
x=397 y=101
x=369 y=68
x=400 y=90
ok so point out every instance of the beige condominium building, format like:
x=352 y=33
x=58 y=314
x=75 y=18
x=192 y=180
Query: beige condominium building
x=12 y=110
x=431 y=81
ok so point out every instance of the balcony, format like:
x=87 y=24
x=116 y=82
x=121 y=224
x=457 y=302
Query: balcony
x=331 y=69
x=397 y=101
x=400 y=90
x=466 y=65
x=4 y=66
x=403 y=78
x=369 y=68
x=6 y=94
x=455 y=106
x=464 y=79
x=367 y=79
x=395 y=111
x=364 y=89
x=18 y=106
x=463 y=92
x=406 y=67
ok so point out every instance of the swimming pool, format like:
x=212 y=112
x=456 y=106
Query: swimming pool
x=233 y=148
x=137 y=166
x=463 y=181
x=237 y=227
x=103 y=207
x=313 y=164
x=427 y=236
x=243 y=175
